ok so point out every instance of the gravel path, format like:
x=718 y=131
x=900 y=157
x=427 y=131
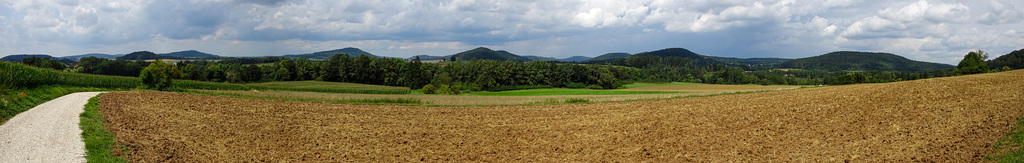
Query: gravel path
x=46 y=133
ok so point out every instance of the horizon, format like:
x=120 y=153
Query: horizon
x=279 y=55
x=939 y=31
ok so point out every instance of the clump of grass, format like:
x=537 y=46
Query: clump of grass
x=556 y=101
x=576 y=101
x=98 y=141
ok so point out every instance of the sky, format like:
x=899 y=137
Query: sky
x=928 y=30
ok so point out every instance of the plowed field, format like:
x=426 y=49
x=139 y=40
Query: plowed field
x=944 y=119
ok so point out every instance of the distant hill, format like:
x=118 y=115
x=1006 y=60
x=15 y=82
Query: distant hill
x=539 y=58
x=353 y=52
x=188 y=54
x=97 y=55
x=748 y=61
x=429 y=57
x=1014 y=60
x=575 y=59
x=483 y=53
x=851 y=60
x=679 y=52
x=19 y=57
x=139 y=55
x=607 y=57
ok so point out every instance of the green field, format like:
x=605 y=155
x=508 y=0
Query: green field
x=331 y=87
x=636 y=85
x=564 y=91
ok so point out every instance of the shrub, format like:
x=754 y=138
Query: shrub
x=455 y=89
x=158 y=75
x=1006 y=68
x=443 y=89
x=429 y=89
x=594 y=86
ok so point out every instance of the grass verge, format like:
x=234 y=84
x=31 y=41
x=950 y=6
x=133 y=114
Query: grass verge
x=98 y=141
x=1009 y=148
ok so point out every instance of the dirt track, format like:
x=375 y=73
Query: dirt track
x=945 y=119
x=46 y=133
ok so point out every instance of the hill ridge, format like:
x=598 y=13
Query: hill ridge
x=856 y=61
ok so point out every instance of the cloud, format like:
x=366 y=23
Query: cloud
x=926 y=29
x=263 y=2
x=1001 y=14
x=611 y=13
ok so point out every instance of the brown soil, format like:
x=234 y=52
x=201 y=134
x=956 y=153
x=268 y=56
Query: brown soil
x=945 y=119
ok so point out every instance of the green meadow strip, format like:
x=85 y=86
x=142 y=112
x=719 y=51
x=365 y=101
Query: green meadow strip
x=98 y=141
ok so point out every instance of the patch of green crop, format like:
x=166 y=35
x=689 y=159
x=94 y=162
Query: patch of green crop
x=637 y=85
x=1011 y=147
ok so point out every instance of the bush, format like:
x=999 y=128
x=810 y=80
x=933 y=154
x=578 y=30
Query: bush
x=443 y=89
x=455 y=89
x=594 y=86
x=429 y=89
x=1006 y=68
x=158 y=75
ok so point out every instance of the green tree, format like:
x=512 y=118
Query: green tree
x=158 y=75
x=289 y=66
x=1006 y=68
x=973 y=63
x=415 y=76
x=282 y=74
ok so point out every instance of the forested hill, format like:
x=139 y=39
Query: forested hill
x=353 y=52
x=139 y=55
x=189 y=54
x=679 y=52
x=430 y=57
x=607 y=57
x=540 y=58
x=576 y=59
x=866 y=61
x=19 y=57
x=749 y=61
x=97 y=55
x=1014 y=60
x=483 y=53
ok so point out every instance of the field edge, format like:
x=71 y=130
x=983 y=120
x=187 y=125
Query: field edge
x=98 y=140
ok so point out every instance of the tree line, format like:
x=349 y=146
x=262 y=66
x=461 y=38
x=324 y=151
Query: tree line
x=491 y=75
